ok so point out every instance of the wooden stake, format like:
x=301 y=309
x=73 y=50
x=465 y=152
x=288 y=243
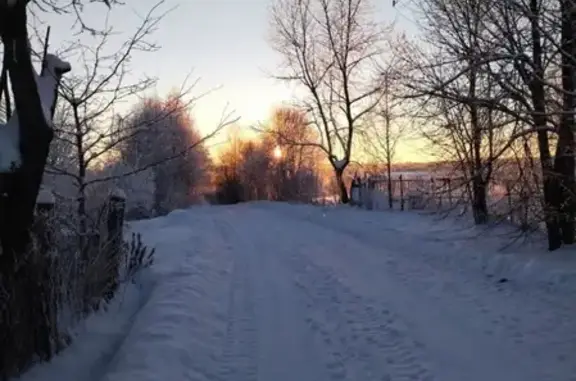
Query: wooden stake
x=46 y=40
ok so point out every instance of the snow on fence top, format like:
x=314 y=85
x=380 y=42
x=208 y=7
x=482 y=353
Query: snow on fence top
x=118 y=193
x=406 y=175
x=45 y=196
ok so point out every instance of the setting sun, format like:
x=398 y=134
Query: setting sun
x=277 y=152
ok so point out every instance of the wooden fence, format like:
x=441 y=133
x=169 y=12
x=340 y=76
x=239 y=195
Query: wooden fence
x=68 y=276
x=507 y=200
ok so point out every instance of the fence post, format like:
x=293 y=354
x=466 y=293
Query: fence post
x=442 y=187
x=370 y=193
x=115 y=225
x=362 y=192
x=401 y=192
x=354 y=190
x=449 y=187
x=390 y=191
x=510 y=207
x=433 y=191
x=44 y=208
x=45 y=266
x=352 y=185
x=524 y=199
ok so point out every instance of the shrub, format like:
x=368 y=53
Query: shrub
x=137 y=257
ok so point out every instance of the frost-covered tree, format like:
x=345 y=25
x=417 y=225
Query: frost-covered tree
x=256 y=162
x=295 y=165
x=171 y=146
x=270 y=166
x=387 y=123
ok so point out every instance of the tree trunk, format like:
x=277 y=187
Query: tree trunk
x=388 y=142
x=22 y=334
x=82 y=217
x=389 y=172
x=479 y=204
x=538 y=95
x=81 y=180
x=160 y=190
x=564 y=164
x=344 y=197
x=550 y=190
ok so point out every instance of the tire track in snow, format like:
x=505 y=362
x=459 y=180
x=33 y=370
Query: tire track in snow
x=104 y=363
x=367 y=340
x=240 y=346
x=357 y=338
x=496 y=332
x=501 y=312
x=287 y=349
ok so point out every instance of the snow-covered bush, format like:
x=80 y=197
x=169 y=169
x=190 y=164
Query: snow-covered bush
x=170 y=148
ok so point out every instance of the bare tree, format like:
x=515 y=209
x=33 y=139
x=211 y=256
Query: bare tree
x=33 y=126
x=23 y=335
x=524 y=50
x=387 y=123
x=458 y=28
x=87 y=120
x=516 y=28
x=34 y=132
x=70 y=8
x=26 y=336
x=330 y=47
x=565 y=161
x=91 y=123
x=29 y=100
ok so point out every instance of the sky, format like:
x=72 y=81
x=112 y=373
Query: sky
x=222 y=44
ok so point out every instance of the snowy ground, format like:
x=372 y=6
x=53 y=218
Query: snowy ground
x=277 y=292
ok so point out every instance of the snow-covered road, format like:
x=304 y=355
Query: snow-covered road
x=264 y=292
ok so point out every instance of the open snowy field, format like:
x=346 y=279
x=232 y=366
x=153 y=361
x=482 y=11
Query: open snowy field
x=278 y=292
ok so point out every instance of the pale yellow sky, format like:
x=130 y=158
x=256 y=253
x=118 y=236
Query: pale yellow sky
x=224 y=43
x=257 y=109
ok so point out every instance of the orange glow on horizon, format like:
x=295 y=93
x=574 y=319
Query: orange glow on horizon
x=406 y=153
